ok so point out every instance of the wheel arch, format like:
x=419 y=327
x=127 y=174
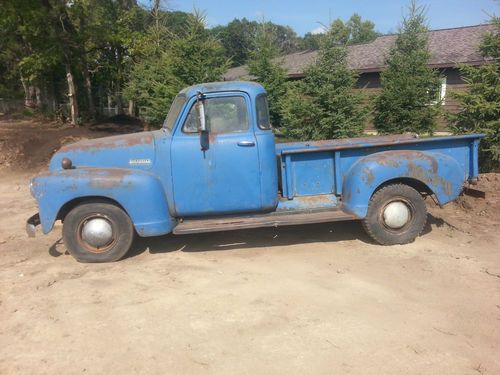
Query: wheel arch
x=140 y=194
x=426 y=171
x=416 y=184
x=68 y=206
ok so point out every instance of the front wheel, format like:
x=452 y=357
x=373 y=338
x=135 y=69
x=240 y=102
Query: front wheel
x=97 y=232
x=396 y=215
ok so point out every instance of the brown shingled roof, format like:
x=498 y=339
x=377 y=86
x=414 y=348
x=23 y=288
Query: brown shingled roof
x=448 y=47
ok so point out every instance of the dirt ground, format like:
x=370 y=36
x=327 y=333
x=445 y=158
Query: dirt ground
x=311 y=299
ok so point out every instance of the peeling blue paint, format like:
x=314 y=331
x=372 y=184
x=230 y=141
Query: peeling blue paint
x=164 y=176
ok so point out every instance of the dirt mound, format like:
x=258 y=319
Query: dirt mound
x=489 y=206
x=28 y=144
x=475 y=214
x=119 y=124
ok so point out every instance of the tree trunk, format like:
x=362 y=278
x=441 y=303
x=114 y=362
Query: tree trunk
x=88 y=88
x=72 y=96
x=118 y=101
x=51 y=94
x=28 y=93
x=86 y=76
x=38 y=96
x=131 y=108
x=32 y=95
x=110 y=103
x=100 y=93
x=118 y=86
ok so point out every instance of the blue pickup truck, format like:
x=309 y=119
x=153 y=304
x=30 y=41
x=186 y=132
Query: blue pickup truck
x=215 y=166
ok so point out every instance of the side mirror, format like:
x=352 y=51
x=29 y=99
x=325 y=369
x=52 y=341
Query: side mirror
x=200 y=107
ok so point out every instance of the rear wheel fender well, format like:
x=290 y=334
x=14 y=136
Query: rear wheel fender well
x=426 y=171
x=360 y=207
x=418 y=185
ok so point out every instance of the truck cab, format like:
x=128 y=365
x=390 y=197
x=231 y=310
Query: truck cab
x=214 y=166
x=223 y=168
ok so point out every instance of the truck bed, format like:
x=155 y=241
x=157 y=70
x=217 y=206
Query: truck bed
x=318 y=167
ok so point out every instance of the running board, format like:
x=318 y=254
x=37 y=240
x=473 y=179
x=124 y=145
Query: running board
x=274 y=219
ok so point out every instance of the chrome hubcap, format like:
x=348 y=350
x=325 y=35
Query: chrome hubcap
x=396 y=215
x=97 y=232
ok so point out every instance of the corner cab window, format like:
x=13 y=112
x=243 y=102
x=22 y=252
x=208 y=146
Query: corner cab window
x=263 y=113
x=222 y=115
x=174 y=111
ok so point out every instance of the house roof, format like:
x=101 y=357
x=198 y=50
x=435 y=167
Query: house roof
x=448 y=48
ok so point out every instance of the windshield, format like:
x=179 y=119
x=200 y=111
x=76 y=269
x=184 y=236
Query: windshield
x=174 y=111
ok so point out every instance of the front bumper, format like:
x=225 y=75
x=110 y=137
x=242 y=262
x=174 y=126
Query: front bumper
x=31 y=224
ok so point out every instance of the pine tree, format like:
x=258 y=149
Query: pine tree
x=197 y=56
x=410 y=87
x=267 y=71
x=324 y=104
x=168 y=62
x=481 y=102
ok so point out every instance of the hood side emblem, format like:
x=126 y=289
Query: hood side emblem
x=139 y=161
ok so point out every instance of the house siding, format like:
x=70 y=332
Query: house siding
x=370 y=84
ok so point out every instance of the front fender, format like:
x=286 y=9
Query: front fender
x=441 y=173
x=139 y=192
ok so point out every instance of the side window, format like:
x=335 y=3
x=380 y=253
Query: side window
x=263 y=113
x=222 y=115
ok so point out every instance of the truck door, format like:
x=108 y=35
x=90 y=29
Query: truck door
x=225 y=177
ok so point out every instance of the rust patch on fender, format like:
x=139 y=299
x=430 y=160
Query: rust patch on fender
x=368 y=176
x=432 y=178
x=108 y=179
x=433 y=162
x=386 y=161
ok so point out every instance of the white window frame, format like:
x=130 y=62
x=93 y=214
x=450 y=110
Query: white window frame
x=441 y=99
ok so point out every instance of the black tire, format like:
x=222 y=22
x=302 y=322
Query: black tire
x=375 y=224
x=122 y=233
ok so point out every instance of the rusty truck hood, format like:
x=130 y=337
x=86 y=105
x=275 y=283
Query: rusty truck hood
x=135 y=150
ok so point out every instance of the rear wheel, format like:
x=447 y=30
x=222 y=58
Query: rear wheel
x=97 y=232
x=396 y=215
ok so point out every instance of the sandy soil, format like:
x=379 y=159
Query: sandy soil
x=314 y=299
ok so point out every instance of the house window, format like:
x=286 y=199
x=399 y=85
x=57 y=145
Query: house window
x=441 y=94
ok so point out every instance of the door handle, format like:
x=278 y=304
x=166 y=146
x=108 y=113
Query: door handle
x=246 y=143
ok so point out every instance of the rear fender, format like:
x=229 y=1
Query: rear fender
x=139 y=192
x=441 y=173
